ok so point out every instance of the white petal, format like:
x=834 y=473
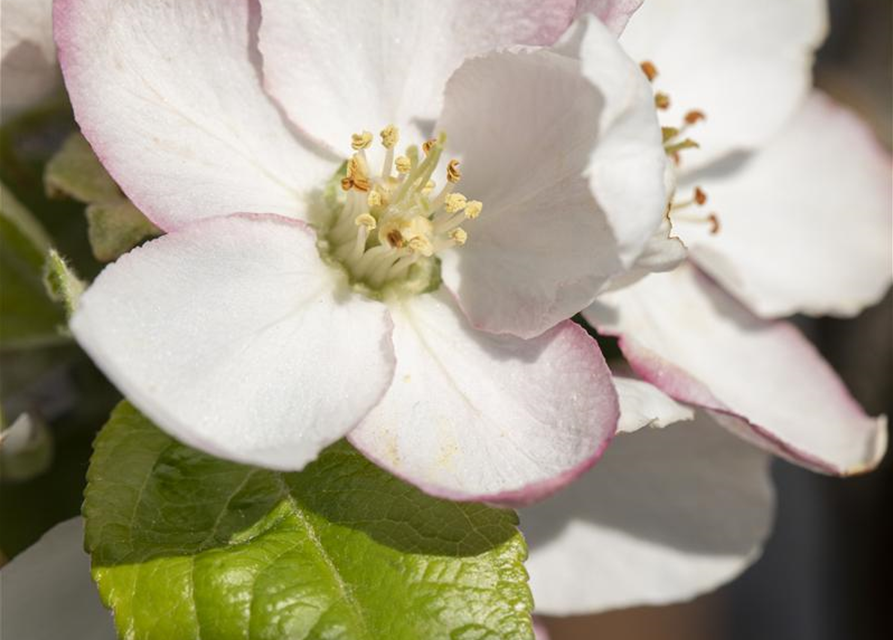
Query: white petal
x=524 y=126
x=666 y=515
x=745 y=63
x=614 y=13
x=571 y=189
x=233 y=336
x=664 y=251
x=341 y=67
x=47 y=592
x=168 y=95
x=806 y=223
x=474 y=416
x=683 y=334
x=644 y=405
x=29 y=69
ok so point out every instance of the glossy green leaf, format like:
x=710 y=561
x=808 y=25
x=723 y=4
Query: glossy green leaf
x=27 y=315
x=187 y=546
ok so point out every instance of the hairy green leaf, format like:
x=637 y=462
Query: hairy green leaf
x=27 y=315
x=62 y=282
x=187 y=546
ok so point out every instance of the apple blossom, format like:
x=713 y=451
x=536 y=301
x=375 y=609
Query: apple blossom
x=801 y=193
x=29 y=69
x=292 y=302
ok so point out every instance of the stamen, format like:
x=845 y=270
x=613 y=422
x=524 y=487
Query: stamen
x=700 y=197
x=649 y=70
x=661 y=100
x=454 y=202
x=365 y=220
x=453 y=173
x=473 y=209
x=357 y=173
x=676 y=147
x=403 y=164
x=694 y=116
x=669 y=133
x=390 y=135
x=410 y=224
x=360 y=141
x=374 y=199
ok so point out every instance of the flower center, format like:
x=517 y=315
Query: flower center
x=386 y=228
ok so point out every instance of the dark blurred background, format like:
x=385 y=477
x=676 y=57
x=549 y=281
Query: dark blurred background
x=827 y=572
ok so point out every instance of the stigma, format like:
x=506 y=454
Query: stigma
x=386 y=223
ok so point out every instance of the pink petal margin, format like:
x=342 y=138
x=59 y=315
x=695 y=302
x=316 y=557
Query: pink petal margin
x=534 y=492
x=676 y=382
x=615 y=14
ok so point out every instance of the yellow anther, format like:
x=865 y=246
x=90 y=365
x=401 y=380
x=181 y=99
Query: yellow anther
x=421 y=244
x=426 y=146
x=365 y=220
x=357 y=175
x=403 y=164
x=453 y=173
x=374 y=199
x=661 y=100
x=454 y=202
x=361 y=140
x=390 y=135
x=458 y=236
x=473 y=209
x=429 y=187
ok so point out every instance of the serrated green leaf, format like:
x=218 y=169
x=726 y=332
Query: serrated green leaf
x=115 y=225
x=187 y=546
x=27 y=315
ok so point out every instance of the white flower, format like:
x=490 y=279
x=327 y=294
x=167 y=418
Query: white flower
x=288 y=305
x=802 y=196
x=29 y=69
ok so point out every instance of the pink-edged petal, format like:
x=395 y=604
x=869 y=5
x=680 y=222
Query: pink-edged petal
x=745 y=63
x=667 y=514
x=572 y=190
x=807 y=222
x=686 y=336
x=644 y=405
x=540 y=631
x=341 y=67
x=47 y=592
x=476 y=416
x=233 y=336
x=169 y=97
x=29 y=68
x=614 y=13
